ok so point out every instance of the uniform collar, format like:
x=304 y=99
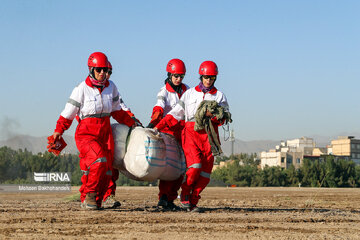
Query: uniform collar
x=212 y=91
x=170 y=89
x=89 y=83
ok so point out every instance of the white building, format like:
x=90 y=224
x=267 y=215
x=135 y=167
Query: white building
x=282 y=159
x=301 y=143
x=290 y=153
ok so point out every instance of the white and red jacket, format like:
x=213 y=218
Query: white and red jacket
x=189 y=103
x=123 y=105
x=196 y=146
x=167 y=99
x=88 y=101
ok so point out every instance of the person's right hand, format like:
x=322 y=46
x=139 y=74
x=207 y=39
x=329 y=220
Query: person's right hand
x=57 y=136
x=208 y=114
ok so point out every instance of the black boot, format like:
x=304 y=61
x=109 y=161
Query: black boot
x=163 y=202
x=171 y=206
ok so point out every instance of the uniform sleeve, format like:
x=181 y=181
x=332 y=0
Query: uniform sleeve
x=178 y=112
x=62 y=125
x=161 y=98
x=174 y=116
x=137 y=121
x=73 y=105
x=167 y=121
x=157 y=115
x=123 y=117
x=224 y=103
x=123 y=105
x=129 y=113
x=72 y=108
x=116 y=101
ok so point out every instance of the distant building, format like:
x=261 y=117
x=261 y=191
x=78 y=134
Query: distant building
x=291 y=152
x=346 y=146
x=282 y=159
x=317 y=152
x=301 y=143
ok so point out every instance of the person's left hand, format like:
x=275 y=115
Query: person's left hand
x=208 y=114
x=156 y=131
x=56 y=136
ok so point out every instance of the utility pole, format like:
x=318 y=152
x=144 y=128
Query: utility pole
x=232 y=140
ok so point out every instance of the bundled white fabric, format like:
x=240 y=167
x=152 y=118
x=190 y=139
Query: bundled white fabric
x=145 y=156
x=175 y=159
x=148 y=156
x=120 y=133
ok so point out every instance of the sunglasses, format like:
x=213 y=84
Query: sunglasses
x=98 y=69
x=211 y=77
x=109 y=72
x=179 y=75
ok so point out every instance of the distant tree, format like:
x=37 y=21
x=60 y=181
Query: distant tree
x=294 y=176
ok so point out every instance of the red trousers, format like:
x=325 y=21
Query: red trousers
x=199 y=162
x=112 y=183
x=95 y=143
x=170 y=188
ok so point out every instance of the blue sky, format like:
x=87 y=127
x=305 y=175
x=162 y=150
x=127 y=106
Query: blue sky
x=288 y=68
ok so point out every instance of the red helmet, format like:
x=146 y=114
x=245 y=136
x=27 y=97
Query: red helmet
x=97 y=59
x=176 y=66
x=208 y=68
x=109 y=65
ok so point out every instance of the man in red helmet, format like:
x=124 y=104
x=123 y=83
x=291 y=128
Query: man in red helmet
x=167 y=99
x=197 y=149
x=92 y=102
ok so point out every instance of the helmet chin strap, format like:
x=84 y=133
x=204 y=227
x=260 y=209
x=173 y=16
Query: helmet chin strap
x=91 y=73
x=178 y=88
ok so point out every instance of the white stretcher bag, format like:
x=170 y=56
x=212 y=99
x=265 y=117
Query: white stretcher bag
x=120 y=133
x=175 y=159
x=148 y=156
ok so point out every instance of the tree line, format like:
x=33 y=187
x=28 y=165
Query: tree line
x=18 y=167
x=329 y=171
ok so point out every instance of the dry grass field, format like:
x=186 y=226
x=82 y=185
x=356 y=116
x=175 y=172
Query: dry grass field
x=228 y=213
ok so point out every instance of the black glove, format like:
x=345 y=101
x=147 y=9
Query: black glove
x=150 y=125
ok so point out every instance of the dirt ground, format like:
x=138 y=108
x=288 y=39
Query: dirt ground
x=228 y=213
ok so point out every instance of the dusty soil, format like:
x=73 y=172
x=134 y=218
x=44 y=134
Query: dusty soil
x=228 y=213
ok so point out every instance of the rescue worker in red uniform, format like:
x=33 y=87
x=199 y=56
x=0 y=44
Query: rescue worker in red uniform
x=197 y=149
x=167 y=98
x=92 y=102
x=109 y=200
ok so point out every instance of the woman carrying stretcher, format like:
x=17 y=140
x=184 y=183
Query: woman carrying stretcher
x=167 y=99
x=196 y=145
x=93 y=102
